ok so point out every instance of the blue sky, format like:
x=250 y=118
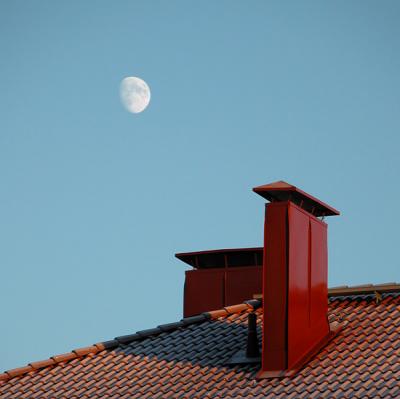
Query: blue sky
x=95 y=201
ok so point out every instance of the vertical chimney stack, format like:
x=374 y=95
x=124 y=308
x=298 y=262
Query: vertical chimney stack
x=295 y=276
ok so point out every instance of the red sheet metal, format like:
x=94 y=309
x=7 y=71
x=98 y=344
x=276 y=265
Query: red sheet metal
x=281 y=191
x=307 y=321
x=241 y=283
x=217 y=258
x=319 y=257
x=294 y=287
x=204 y=291
x=274 y=353
x=299 y=289
x=211 y=289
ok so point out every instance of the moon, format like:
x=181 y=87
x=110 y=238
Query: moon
x=135 y=94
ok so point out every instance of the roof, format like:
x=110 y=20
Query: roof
x=188 y=359
x=282 y=191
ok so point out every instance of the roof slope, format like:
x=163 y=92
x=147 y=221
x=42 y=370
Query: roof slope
x=188 y=360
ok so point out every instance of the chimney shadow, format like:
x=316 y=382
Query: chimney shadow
x=207 y=345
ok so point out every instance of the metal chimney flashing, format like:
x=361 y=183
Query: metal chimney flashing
x=334 y=330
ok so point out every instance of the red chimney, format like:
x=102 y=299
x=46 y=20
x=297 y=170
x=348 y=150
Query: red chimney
x=294 y=279
x=220 y=278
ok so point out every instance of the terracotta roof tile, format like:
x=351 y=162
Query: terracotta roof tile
x=86 y=350
x=64 y=357
x=188 y=359
x=19 y=371
x=215 y=314
x=237 y=308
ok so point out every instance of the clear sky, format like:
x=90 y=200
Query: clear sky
x=95 y=201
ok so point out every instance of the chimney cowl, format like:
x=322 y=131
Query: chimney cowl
x=281 y=191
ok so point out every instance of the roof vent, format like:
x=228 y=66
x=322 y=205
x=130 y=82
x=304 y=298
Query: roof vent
x=252 y=353
x=252 y=349
x=220 y=278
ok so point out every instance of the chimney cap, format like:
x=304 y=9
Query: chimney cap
x=221 y=258
x=281 y=191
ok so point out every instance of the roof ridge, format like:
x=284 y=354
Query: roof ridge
x=361 y=289
x=345 y=290
x=251 y=304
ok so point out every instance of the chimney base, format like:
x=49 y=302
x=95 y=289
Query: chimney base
x=241 y=358
x=334 y=327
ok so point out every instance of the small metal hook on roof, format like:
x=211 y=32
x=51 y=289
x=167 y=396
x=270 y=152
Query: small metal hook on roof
x=378 y=297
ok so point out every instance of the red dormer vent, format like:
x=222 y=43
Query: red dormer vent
x=220 y=278
x=295 y=266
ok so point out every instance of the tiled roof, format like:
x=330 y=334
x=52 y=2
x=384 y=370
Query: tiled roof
x=189 y=359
